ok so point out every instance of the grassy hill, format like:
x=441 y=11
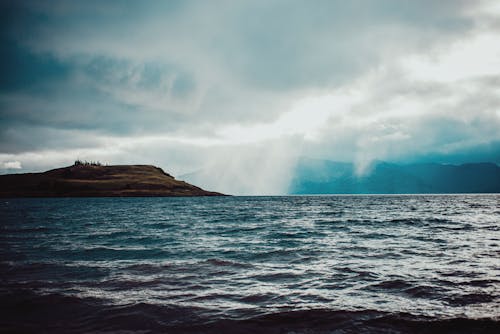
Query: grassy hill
x=92 y=180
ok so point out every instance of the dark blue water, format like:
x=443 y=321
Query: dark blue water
x=316 y=264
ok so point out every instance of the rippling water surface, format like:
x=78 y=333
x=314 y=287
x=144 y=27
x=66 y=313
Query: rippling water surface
x=229 y=264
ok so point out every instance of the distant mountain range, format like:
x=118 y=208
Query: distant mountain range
x=314 y=176
x=92 y=180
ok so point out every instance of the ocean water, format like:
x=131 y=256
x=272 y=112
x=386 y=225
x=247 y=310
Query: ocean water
x=304 y=264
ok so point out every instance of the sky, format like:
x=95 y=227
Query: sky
x=239 y=90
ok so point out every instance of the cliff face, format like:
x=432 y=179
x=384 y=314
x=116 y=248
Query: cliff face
x=96 y=181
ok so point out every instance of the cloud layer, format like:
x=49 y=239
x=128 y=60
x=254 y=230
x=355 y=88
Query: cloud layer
x=242 y=89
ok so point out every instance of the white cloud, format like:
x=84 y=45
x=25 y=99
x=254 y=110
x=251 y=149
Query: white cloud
x=306 y=117
x=470 y=58
x=12 y=165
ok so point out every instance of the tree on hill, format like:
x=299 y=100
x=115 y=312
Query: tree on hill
x=79 y=162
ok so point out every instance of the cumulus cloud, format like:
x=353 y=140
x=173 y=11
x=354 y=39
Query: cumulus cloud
x=239 y=90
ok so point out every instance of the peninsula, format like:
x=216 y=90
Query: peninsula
x=95 y=180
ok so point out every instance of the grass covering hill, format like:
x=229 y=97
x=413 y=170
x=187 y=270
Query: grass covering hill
x=95 y=180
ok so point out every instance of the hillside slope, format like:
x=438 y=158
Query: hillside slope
x=95 y=181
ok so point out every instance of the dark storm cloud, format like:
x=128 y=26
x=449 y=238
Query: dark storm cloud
x=130 y=55
x=289 y=44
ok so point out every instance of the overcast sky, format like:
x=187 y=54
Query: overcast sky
x=241 y=89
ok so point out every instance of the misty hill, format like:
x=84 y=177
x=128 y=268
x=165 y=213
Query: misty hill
x=92 y=180
x=313 y=176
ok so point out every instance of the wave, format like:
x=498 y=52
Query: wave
x=23 y=311
x=246 y=272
